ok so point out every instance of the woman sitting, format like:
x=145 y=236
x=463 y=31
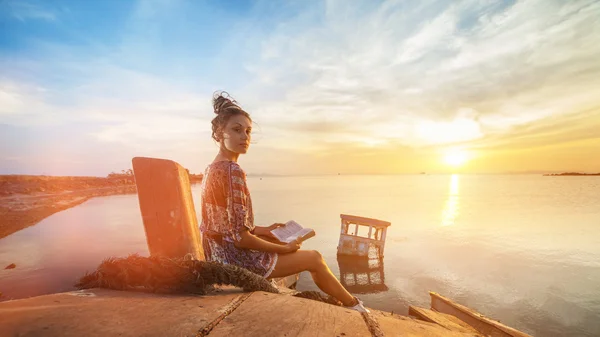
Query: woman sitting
x=228 y=230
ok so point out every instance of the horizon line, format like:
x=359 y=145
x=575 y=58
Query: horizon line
x=536 y=172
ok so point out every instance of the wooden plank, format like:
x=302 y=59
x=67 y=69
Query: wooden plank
x=478 y=321
x=265 y=314
x=364 y=221
x=356 y=238
x=167 y=208
x=288 y=281
x=102 y=312
x=396 y=325
x=447 y=321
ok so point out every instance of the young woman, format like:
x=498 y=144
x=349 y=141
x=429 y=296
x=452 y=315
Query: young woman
x=228 y=232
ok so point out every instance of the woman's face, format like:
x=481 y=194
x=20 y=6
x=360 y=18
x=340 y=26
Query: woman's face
x=237 y=134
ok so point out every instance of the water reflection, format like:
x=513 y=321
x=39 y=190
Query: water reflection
x=52 y=255
x=362 y=275
x=451 y=209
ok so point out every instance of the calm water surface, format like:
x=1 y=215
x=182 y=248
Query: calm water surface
x=522 y=249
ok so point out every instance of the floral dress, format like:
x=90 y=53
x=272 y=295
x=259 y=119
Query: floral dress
x=226 y=212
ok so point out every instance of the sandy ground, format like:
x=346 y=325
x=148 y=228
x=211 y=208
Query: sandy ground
x=26 y=200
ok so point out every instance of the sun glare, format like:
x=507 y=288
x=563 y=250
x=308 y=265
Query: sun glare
x=455 y=157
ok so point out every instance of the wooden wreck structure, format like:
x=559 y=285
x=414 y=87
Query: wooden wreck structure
x=352 y=243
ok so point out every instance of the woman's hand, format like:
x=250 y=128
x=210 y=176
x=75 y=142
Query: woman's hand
x=274 y=226
x=291 y=247
x=266 y=231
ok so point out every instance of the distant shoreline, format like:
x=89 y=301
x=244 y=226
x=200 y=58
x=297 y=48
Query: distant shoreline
x=570 y=174
x=26 y=200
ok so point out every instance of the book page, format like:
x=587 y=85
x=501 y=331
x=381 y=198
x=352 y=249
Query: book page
x=285 y=233
x=299 y=234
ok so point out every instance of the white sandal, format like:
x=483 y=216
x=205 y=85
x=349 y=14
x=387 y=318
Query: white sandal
x=359 y=306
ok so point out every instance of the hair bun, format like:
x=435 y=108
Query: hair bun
x=225 y=107
x=222 y=101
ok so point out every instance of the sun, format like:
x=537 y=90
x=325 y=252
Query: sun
x=456 y=157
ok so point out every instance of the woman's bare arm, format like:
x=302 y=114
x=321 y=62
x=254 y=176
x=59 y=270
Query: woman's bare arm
x=266 y=231
x=251 y=241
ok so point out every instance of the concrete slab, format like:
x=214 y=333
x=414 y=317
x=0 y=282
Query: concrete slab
x=264 y=314
x=227 y=312
x=102 y=312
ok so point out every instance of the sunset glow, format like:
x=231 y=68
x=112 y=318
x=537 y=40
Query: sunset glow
x=463 y=136
x=455 y=157
x=82 y=94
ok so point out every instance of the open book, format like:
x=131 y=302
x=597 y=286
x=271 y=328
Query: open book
x=292 y=231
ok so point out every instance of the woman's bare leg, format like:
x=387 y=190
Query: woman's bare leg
x=312 y=261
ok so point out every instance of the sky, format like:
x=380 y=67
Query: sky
x=350 y=87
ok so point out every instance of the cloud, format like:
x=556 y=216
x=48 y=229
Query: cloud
x=548 y=132
x=23 y=11
x=314 y=75
x=404 y=69
x=121 y=101
x=24 y=103
x=511 y=64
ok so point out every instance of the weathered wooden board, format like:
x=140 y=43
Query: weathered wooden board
x=364 y=221
x=447 y=321
x=102 y=312
x=288 y=281
x=264 y=314
x=481 y=323
x=167 y=208
x=395 y=325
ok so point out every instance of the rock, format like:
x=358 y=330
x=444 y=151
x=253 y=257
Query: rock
x=11 y=266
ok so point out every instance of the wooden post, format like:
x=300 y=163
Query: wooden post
x=383 y=240
x=167 y=208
